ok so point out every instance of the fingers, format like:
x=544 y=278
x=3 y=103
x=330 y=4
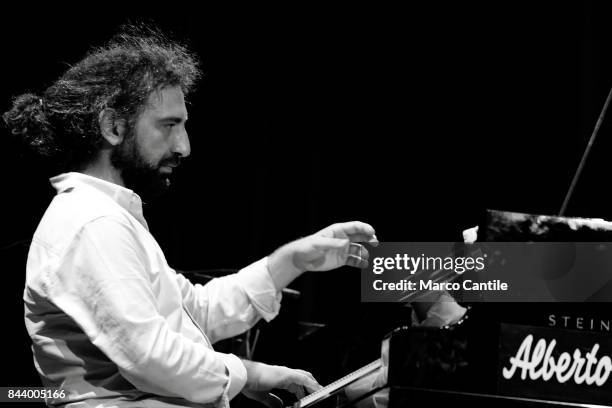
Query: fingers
x=353 y=254
x=357 y=256
x=296 y=390
x=370 y=239
x=356 y=231
x=356 y=227
x=300 y=380
x=313 y=385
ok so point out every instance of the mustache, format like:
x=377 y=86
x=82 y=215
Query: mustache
x=173 y=161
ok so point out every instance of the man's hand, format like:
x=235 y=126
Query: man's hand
x=264 y=377
x=327 y=249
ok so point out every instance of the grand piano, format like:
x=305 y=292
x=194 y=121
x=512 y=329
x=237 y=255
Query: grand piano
x=509 y=355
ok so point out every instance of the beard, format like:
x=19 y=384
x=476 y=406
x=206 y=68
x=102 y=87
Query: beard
x=139 y=174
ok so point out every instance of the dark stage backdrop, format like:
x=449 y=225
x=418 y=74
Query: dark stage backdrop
x=412 y=119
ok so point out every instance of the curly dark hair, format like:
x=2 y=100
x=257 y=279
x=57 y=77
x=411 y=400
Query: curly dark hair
x=62 y=125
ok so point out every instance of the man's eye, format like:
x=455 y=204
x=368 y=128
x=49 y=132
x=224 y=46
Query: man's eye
x=169 y=125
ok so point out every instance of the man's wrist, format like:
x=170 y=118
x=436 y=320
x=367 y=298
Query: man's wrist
x=248 y=365
x=254 y=372
x=282 y=268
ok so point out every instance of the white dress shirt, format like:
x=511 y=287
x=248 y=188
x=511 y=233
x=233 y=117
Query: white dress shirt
x=113 y=325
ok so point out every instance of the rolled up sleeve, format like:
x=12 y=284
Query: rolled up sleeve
x=260 y=289
x=237 y=374
x=232 y=304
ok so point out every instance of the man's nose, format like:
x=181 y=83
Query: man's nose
x=181 y=144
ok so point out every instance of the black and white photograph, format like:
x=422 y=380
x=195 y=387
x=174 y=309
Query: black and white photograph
x=307 y=205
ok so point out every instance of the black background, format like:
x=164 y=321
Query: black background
x=413 y=119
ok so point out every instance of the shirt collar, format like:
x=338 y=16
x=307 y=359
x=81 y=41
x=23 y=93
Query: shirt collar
x=125 y=197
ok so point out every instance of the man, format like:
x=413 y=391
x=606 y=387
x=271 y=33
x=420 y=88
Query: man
x=112 y=324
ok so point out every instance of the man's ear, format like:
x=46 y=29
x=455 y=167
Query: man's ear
x=112 y=128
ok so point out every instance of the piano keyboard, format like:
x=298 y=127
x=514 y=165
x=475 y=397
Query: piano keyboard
x=338 y=384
